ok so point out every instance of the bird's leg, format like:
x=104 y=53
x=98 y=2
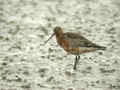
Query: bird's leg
x=76 y=61
x=78 y=58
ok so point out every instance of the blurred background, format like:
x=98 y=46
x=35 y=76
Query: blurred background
x=27 y=64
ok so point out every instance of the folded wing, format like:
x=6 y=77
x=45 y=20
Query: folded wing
x=76 y=40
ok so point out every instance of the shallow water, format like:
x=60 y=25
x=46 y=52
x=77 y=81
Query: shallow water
x=27 y=64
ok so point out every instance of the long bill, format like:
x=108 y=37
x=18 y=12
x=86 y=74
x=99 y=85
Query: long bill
x=49 y=38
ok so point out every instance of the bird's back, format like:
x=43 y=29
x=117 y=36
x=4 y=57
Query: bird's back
x=76 y=40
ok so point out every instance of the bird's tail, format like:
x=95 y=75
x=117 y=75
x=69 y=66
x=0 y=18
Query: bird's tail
x=101 y=47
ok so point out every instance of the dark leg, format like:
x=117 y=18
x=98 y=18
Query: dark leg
x=78 y=58
x=76 y=61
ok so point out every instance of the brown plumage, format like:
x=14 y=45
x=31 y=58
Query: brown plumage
x=74 y=43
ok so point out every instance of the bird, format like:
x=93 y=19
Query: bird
x=74 y=43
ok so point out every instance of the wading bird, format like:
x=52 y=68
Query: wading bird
x=74 y=43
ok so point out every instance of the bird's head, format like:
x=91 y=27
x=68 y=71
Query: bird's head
x=58 y=30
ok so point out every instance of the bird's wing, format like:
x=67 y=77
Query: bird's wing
x=76 y=40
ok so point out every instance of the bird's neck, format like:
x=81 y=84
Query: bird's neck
x=60 y=39
x=59 y=35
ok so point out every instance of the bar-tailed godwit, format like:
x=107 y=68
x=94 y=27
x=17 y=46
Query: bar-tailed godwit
x=74 y=43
